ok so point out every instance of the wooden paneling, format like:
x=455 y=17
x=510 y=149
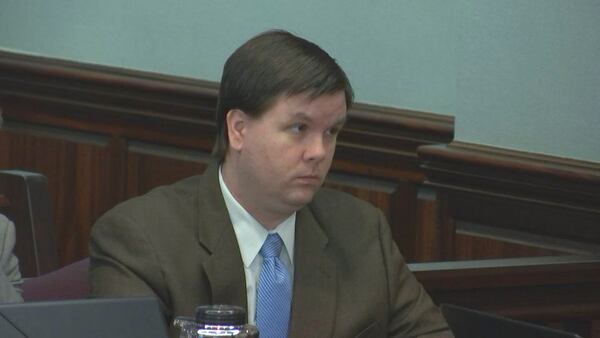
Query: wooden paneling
x=561 y=292
x=395 y=199
x=26 y=201
x=78 y=169
x=496 y=203
x=428 y=239
x=150 y=165
x=103 y=134
x=466 y=247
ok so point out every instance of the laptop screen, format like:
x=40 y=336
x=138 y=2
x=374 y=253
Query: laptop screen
x=138 y=317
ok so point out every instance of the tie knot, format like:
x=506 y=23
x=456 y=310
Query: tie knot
x=272 y=246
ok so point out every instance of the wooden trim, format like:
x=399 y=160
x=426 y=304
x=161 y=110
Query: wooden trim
x=65 y=70
x=4 y=201
x=94 y=98
x=527 y=239
x=132 y=130
x=384 y=137
x=514 y=272
x=542 y=289
x=551 y=198
x=417 y=122
x=494 y=171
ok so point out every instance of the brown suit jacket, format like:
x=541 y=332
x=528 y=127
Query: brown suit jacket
x=177 y=243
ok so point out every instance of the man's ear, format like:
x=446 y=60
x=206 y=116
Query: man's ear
x=236 y=121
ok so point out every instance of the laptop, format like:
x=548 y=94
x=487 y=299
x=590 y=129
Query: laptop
x=138 y=317
x=468 y=323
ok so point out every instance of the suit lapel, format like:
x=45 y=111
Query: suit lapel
x=224 y=268
x=314 y=298
x=314 y=295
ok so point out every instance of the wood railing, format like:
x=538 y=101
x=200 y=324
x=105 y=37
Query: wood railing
x=556 y=291
x=102 y=135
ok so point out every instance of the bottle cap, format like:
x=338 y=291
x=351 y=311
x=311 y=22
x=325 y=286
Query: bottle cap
x=220 y=315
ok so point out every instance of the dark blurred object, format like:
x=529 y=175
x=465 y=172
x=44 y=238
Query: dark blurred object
x=469 y=323
x=25 y=200
x=90 y=318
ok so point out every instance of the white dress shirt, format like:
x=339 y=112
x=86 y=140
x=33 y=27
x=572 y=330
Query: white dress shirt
x=250 y=237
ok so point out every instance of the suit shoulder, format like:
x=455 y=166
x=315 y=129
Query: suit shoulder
x=350 y=224
x=161 y=201
x=332 y=207
x=334 y=200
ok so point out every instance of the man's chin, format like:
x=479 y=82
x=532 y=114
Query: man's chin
x=300 y=199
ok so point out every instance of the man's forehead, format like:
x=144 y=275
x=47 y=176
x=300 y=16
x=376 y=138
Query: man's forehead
x=306 y=100
x=310 y=95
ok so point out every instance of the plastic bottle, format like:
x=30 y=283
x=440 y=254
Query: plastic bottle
x=216 y=321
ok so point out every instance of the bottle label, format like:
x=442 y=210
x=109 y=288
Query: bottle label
x=218 y=332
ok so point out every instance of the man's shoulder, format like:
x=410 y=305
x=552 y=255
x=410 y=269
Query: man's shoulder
x=336 y=200
x=161 y=205
x=333 y=207
x=350 y=224
x=165 y=194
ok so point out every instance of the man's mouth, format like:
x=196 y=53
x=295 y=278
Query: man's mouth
x=309 y=179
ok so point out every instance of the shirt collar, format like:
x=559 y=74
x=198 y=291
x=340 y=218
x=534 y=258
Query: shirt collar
x=250 y=233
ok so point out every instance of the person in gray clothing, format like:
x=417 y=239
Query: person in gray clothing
x=10 y=275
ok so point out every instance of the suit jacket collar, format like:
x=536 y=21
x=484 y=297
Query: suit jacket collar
x=315 y=282
x=224 y=268
x=314 y=294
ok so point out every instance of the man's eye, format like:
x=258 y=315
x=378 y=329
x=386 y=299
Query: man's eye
x=298 y=127
x=333 y=131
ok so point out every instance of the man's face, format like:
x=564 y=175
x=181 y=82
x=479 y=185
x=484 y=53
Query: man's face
x=285 y=154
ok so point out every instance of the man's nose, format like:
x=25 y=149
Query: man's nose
x=316 y=149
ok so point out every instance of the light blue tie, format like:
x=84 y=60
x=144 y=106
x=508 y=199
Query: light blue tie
x=274 y=295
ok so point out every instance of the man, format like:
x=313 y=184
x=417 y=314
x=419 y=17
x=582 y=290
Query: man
x=10 y=276
x=207 y=239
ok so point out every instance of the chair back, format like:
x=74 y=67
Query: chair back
x=69 y=282
x=25 y=200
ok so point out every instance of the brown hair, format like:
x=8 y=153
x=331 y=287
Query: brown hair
x=270 y=65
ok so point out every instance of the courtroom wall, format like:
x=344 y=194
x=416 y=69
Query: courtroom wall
x=516 y=74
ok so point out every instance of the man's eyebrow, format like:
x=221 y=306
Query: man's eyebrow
x=303 y=116
x=300 y=115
